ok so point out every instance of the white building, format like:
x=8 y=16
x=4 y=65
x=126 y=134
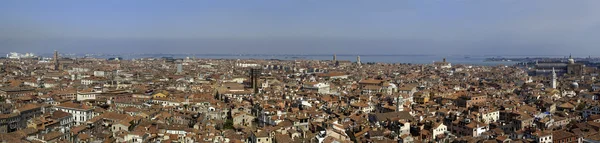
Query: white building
x=99 y=73
x=93 y=80
x=90 y=95
x=80 y=112
x=443 y=64
x=245 y=65
x=479 y=129
x=136 y=137
x=14 y=55
x=489 y=116
x=545 y=137
x=81 y=96
x=439 y=129
x=322 y=88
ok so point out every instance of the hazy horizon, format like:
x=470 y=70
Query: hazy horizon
x=508 y=27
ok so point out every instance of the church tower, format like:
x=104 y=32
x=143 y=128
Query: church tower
x=399 y=103
x=334 y=58
x=56 y=64
x=358 y=60
x=553 y=79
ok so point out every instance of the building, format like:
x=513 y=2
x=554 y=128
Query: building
x=334 y=58
x=443 y=64
x=560 y=68
x=438 y=129
x=80 y=112
x=254 y=75
x=358 y=60
x=56 y=63
x=14 y=92
x=489 y=116
x=562 y=136
x=553 y=78
x=260 y=137
x=321 y=88
x=65 y=119
x=179 y=68
x=14 y=55
x=10 y=122
x=29 y=111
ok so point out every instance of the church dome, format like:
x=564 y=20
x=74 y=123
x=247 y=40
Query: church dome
x=571 y=60
x=575 y=85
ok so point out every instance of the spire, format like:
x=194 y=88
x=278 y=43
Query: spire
x=358 y=60
x=553 y=78
x=334 y=57
x=399 y=103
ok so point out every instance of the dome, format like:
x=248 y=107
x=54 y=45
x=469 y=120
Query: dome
x=575 y=85
x=571 y=60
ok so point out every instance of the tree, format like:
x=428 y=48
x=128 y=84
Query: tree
x=228 y=124
x=581 y=106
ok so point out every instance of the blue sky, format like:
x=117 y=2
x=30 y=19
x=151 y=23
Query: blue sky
x=511 y=27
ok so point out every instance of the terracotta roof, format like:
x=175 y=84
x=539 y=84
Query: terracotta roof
x=52 y=135
x=75 y=106
x=60 y=114
x=28 y=107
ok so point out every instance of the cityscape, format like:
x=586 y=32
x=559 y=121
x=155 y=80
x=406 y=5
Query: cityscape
x=299 y=72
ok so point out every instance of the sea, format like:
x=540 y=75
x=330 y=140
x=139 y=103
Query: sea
x=412 y=59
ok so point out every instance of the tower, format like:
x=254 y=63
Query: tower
x=358 y=60
x=334 y=58
x=56 y=64
x=254 y=73
x=399 y=103
x=553 y=79
x=179 y=68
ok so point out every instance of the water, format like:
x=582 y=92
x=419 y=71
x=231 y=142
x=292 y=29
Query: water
x=413 y=59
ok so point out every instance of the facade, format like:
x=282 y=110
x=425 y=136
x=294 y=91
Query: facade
x=16 y=92
x=570 y=68
x=488 y=117
x=81 y=96
x=80 y=113
x=443 y=64
x=10 y=122
x=322 y=88
x=439 y=129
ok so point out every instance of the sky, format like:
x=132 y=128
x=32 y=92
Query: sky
x=491 y=27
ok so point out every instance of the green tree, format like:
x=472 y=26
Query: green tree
x=228 y=124
x=581 y=106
